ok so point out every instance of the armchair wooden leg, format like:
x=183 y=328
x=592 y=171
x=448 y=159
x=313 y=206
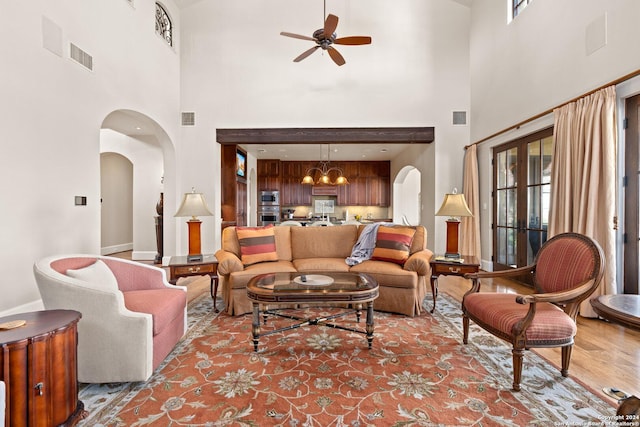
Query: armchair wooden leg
x=566 y=358
x=465 y=329
x=518 y=353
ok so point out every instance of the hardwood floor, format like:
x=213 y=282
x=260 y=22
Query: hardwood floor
x=604 y=354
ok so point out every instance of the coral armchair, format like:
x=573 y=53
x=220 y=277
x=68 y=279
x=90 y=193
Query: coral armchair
x=131 y=316
x=567 y=270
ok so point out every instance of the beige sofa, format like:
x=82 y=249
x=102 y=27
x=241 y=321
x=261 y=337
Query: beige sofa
x=314 y=249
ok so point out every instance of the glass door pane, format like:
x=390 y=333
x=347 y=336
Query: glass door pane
x=522 y=183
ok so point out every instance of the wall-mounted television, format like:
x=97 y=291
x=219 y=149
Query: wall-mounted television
x=241 y=163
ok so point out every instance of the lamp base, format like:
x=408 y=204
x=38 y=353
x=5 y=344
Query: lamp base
x=194 y=257
x=452 y=255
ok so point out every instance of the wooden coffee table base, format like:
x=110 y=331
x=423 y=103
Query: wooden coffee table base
x=306 y=321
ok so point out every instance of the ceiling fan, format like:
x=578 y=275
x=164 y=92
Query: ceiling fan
x=325 y=37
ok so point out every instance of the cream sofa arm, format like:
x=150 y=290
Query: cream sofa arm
x=419 y=262
x=228 y=262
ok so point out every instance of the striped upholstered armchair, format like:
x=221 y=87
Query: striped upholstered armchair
x=567 y=270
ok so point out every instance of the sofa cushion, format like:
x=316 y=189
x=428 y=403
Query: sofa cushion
x=323 y=242
x=239 y=279
x=257 y=244
x=393 y=244
x=97 y=275
x=320 y=264
x=388 y=274
x=164 y=305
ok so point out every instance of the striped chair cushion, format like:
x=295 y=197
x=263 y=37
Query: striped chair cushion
x=500 y=311
x=257 y=244
x=393 y=244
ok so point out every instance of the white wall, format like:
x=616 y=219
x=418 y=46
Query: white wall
x=51 y=111
x=116 y=201
x=415 y=73
x=539 y=61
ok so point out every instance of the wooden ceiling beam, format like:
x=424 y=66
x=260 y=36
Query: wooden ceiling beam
x=398 y=135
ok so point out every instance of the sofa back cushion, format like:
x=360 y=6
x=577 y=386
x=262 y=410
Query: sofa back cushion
x=323 y=242
x=283 y=242
x=257 y=244
x=393 y=244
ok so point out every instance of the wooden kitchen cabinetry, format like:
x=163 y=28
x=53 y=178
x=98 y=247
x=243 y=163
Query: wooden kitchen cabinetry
x=38 y=363
x=269 y=176
x=370 y=182
x=292 y=192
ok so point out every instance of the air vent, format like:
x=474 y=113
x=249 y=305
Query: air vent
x=459 y=117
x=81 y=57
x=188 y=119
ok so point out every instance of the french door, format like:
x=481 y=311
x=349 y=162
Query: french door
x=521 y=197
x=632 y=206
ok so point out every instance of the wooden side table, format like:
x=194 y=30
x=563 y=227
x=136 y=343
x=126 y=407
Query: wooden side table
x=180 y=267
x=450 y=267
x=38 y=363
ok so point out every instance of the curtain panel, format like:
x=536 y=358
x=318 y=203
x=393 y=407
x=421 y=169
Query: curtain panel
x=470 y=226
x=583 y=176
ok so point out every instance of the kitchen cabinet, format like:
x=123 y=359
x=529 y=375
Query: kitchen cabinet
x=292 y=192
x=269 y=174
x=370 y=182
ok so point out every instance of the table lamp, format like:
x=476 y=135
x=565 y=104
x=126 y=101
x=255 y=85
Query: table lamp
x=193 y=205
x=454 y=206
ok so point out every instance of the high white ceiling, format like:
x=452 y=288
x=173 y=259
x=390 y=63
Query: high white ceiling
x=132 y=125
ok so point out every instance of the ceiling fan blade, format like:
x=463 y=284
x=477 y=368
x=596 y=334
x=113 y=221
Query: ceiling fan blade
x=335 y=55
x=330 y=25
x=353 y=40
x=297 y=36
x=305 y=54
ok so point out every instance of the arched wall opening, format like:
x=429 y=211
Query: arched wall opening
x=149 y=149
x=407 y=196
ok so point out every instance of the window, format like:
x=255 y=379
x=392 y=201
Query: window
x=163 y=24
x=518 y=6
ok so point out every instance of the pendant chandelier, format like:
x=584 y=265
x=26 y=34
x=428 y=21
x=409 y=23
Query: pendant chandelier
x=325 y=168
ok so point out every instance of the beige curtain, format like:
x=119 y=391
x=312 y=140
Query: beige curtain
x=583 y=176
x=470 y=226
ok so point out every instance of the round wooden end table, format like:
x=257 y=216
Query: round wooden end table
x=620 y=308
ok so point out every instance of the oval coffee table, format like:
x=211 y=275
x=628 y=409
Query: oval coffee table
x=620 y=308
x=291 y=289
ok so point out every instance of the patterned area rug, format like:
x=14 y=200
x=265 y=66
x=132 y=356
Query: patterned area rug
x=417 y=374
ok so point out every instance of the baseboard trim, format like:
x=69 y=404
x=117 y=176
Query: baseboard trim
x=25 y=308
x=124 y=247
x=143 y=256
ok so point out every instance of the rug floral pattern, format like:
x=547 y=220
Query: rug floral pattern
x=417 y=374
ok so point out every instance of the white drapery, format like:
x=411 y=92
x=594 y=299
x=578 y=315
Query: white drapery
x=583 y=176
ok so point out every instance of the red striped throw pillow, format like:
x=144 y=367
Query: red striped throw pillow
x=257 y=244
x=393 y=244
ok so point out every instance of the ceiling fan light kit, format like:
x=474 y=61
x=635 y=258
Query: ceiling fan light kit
x=325 y=37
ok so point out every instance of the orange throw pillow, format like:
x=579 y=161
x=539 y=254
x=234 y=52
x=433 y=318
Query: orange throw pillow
x=393 y=244
x=257 y=244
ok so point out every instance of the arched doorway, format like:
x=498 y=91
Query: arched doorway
x=406 y=196
x=116 y=203
x=147 y=146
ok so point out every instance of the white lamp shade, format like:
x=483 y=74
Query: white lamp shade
x=454 y=205
x=193 y=205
